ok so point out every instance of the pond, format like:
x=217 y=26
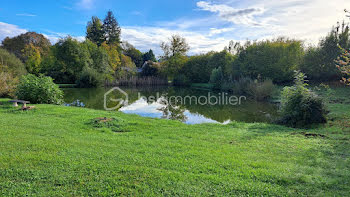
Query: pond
x=191 y=106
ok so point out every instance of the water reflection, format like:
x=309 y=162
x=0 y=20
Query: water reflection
x=248 y=111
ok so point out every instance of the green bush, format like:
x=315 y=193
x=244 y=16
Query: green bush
x=39 y=90
x=300 y=106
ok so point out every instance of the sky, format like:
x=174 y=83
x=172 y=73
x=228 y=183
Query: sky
x=206 y=24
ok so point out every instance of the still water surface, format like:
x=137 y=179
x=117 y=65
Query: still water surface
x=144 y=102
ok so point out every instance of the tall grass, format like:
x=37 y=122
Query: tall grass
x=258 y=89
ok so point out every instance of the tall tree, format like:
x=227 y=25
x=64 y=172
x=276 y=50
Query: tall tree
x=111 y=29
x=177 y=46
x=95 y=31
x=16 y=45
x=149 y=56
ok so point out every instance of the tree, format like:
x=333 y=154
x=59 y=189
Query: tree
x=343 y=64
x=16 y=45
x=128 y=67
x=95 y=31
x=318 y=63
x=133 y=53
x=69 y=58
x=11 y=69
x=273 y=59
x=100 y=59
x=111 y=29
x=177 y=46
x=33 y=59
x=173 y=65
x=149 y=56
x=113 y=56
x=217 y=77
x=11 y=64
x=150 y=69
x=234 y=48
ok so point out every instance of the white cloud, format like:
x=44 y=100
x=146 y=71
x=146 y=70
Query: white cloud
x=238 y=16
x=216 y=31
x=145 y=38
x=9 y=30
x=301 y=19
x=307 y=20
x=54 y=37
x=85 y=4
x=26 y=14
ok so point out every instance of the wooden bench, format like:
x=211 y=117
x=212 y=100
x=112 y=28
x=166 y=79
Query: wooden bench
x=15 y=103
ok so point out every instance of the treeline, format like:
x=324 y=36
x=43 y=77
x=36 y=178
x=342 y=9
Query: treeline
x=101 y=57
x=275 y=59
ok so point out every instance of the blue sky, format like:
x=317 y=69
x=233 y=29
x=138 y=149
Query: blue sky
x=206 y=24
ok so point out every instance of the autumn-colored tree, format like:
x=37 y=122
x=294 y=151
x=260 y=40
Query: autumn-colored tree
x=133 y=53
x=113 y=56
x=16 y=45
x=128 y=67
x=343 y=64
x=33 y=59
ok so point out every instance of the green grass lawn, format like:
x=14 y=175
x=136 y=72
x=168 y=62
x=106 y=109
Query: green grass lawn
x=57 y=151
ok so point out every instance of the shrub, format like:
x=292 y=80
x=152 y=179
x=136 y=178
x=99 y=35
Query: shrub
x=240 y=86
x=150 y=69
x=7 y=84
x=261 y=90
x=39 y=90
x=300 y=106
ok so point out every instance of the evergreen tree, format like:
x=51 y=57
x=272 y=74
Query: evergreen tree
x=149 y=56
x=111 y=29
x=95 y=31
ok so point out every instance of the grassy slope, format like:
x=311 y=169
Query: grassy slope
x=53 y=150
